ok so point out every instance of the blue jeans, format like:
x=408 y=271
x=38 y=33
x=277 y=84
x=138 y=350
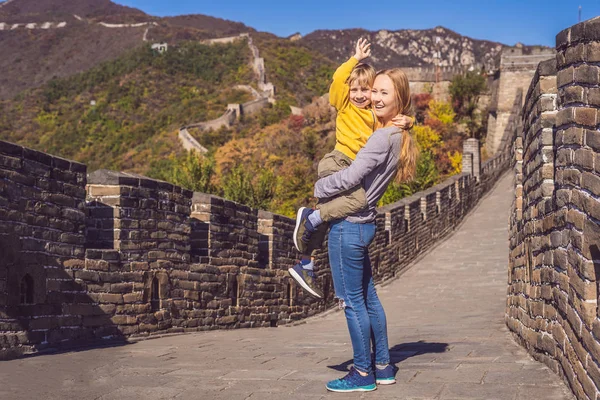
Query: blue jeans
x=353 y=284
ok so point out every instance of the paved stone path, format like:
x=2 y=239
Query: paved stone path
x=446 y=329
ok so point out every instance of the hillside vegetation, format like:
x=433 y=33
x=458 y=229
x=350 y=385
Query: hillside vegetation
x=124 y=114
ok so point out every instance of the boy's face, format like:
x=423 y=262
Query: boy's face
x=360 y=95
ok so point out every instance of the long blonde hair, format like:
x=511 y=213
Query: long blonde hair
x=409 y=153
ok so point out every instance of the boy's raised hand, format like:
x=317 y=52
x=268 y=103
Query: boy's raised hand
x=363 y=49
x=403 y=121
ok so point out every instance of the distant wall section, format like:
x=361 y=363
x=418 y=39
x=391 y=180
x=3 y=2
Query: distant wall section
x=515 y=73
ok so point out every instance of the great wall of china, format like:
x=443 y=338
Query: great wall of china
x=233 y=112
x=553 y=273
x=111 y=255
x=108 y=255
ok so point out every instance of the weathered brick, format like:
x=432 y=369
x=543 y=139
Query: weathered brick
x=593 y=96
x=572 y=135
x=575 y=54
x=565 y=116
x=565 y=76
x=593 y=51
x=587 y=74
x=572 y=94
x=591 y=182
x=584 y=158
x=106 y=298
x=586 y=116
x=563 y=38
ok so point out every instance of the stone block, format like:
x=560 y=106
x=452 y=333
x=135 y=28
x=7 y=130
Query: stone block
x=584 y=288
x=587 y=74
x=584 y=158
x=592 y=139
x=565 y=77
x=591 y=182
x=591 y=30
x=593 y=51
x=585 y=116
x=563 y=38
x=548 y=84
x=572 y=94
x=575 y=54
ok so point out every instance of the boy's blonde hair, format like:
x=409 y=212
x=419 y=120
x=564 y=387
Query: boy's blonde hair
x=409 y=152
x=364 y=74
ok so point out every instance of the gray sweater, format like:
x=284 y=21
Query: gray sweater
x=375 y=166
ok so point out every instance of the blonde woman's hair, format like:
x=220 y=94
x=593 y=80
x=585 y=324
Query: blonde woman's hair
x=364 y=74
x=409 y=153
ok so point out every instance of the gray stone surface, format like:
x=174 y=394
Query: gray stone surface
x=446 y=329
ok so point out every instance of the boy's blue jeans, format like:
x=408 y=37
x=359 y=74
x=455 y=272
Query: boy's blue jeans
x=353 y=284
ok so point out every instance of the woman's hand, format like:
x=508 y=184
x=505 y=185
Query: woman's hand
x=403 y=121
x=363 y=49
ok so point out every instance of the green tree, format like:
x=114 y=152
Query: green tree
x=191 y=171
x=239 y=186
x=465 y=91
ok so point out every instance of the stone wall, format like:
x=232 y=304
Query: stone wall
x=232 y=114
x=234 y=111
x=430 y=73
x=115 y=255
x=552 y=303
x=254 y=106
x=440 y=91
x=189 y=143
x=225 y=120
x=515 y=73
x=42 y=230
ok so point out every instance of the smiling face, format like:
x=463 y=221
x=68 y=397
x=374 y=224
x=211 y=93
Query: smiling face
x=383 y=97
x=360 y=94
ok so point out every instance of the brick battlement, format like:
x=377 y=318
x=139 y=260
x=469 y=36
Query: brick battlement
x=112 y=255
x=552 y=303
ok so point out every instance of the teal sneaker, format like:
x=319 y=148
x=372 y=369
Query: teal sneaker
x=353 y=382
x=386 y=376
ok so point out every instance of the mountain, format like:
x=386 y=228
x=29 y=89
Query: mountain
x=80 y=80
x=45 y=39
x=27 y=11
x=409 y=48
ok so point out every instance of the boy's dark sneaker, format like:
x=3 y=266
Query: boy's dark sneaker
x=303 y=229
x=386 y=376
x=306 y=278
x=353 y=382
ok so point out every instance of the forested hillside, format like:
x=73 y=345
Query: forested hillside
x=101 y=96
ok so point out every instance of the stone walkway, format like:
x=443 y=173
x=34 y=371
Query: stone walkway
x=446 y=329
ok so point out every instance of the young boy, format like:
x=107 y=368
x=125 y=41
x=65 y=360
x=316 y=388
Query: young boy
x=350 y=94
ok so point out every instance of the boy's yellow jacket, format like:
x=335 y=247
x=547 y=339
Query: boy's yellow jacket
x=353 y=125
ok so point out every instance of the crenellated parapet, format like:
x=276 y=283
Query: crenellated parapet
x=118 y=256
x=552 y=303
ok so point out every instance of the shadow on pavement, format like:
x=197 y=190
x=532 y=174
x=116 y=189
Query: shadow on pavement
x=401 y=352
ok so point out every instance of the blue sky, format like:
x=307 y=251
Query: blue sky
x=508 y=21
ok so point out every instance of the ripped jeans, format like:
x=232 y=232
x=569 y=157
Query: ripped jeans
x=353 y=284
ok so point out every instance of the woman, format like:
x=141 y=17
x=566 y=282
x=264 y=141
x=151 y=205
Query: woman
x=389 y=152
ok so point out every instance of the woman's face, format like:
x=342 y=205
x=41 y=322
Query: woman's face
x=383 y=98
